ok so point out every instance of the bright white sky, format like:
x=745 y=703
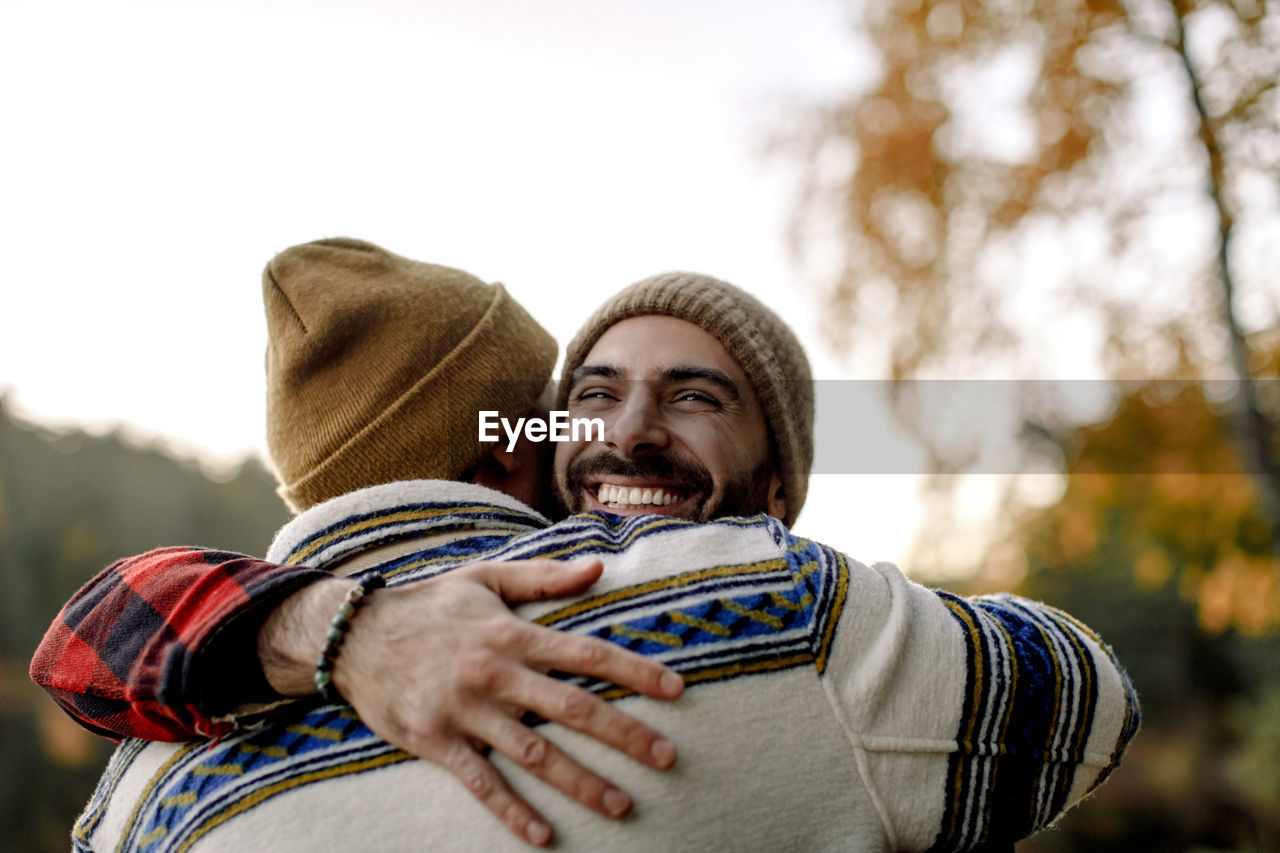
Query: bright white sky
x=156 y=154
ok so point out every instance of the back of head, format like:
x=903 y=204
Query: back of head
x=377 y=366
x=757 y=338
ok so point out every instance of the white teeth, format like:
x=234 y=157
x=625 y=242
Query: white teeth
x=624 y=496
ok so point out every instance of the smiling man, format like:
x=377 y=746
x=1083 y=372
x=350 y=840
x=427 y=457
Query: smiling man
x=830 y=704
x=686 y=433
x=707 y=399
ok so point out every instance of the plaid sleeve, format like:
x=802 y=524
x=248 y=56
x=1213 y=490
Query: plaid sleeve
x=126 y=656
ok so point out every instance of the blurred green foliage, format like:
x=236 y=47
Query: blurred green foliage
x=70 y=504
x=1174 y=569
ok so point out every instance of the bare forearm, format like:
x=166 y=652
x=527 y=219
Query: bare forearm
x=291 y=638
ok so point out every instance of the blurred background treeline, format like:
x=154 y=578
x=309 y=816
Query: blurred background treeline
x=70 y=504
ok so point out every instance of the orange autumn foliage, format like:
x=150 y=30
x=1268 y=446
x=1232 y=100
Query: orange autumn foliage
x=1163 y=482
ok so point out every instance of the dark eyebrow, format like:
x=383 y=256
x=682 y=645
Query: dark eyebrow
x=599 y=371
x=708 y=374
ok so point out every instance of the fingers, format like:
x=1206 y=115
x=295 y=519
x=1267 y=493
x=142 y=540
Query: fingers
x=548 y=762
x=530 y=580
x=579 y=710
x=538 y=579
x=549 y=649
x=534 y=580
x=476 y=661
x=487 y=785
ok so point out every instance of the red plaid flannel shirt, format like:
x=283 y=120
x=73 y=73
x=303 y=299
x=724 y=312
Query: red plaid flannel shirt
x=132 y=654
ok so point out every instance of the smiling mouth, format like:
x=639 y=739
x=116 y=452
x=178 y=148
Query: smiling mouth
x=634 y=497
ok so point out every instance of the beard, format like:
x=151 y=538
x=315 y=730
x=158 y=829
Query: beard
x=745 y=493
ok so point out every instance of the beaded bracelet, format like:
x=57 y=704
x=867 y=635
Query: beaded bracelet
x=338 y=632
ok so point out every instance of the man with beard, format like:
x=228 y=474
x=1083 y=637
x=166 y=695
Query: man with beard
x=833 y=704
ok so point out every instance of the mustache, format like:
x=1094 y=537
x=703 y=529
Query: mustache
x=655 y=467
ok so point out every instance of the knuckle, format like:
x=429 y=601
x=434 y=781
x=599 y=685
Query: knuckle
x=618 y=728
x=587 y=788
x=639 y=739
x=481 y=670
x=592 y=653
x=478 y=783
x=630 y=735
x=576 y=706
x=472 y=770
x=426 y=736
x=534 y=753
x=507 y=632
x=515 y=816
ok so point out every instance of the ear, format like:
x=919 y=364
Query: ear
x=497 y=469
x=777 y=503
x=508 y=460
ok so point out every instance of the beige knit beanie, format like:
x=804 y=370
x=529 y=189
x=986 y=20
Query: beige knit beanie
x=763 y=345
x=378 y=365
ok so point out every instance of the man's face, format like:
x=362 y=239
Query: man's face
x=684 y=433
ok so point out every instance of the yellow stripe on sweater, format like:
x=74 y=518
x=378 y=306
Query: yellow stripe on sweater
x=676 y=582
x=297 y=557
x=255 y=797
x=151 y=785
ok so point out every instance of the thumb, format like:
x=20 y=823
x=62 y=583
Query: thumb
x=534 y=580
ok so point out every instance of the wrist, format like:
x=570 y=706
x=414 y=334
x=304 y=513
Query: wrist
x=337 y=634
x=295 y=632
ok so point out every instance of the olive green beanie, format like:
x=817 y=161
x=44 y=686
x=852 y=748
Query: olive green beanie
x=377 y=366
x=757 y=339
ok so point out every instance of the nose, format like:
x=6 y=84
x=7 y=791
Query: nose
x=638 y=428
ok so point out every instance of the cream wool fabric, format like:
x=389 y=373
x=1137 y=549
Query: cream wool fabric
x=830 y=705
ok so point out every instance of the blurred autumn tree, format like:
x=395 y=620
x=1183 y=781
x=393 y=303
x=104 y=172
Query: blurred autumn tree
x=1090 y=188
x=1080 y=182
x=1176 y=512
x=1172 y=562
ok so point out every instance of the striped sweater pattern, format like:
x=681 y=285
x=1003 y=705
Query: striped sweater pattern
x=1021 y=746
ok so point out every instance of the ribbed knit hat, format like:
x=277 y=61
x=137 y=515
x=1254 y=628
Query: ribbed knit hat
x=763 y=346
x=377 y=366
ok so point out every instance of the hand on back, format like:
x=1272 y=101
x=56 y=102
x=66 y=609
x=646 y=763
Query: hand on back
x=442 y=668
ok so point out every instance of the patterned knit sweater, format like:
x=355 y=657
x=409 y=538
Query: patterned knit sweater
x=830 y=705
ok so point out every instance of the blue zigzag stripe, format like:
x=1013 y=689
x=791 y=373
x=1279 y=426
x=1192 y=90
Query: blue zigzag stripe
x=717 y=623
x=204 y=781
